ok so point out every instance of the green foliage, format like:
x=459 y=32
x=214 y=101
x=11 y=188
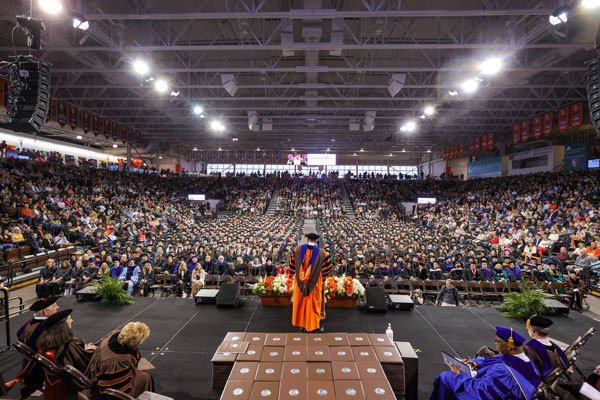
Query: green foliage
x=111 y=291
x=522 y=305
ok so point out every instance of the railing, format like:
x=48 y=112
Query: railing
x=5 y=318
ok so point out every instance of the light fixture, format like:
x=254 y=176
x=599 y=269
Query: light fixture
x=354 y=154
x=216 y=125
x=362 y=150
x=333 y=140
x=328 y=149
x=390 y=154
x=235 y=139
x=410 y=126
x=559 y=16
x=198 y=110
x=195 y=149
x=115 y=146
x=149 y=79
x=160 y=157
x=79 y=137
x=453 y=93
x=174 y=93
x=140 y=67
x=161 y=86
x=80 y=22
x=51 y=6
x=220 y=149
x=258 y=149
x=422 y=116
x=590 y=4
x=470 y=85
x=429 y=150
x=293 y=149
x=491 y=66
x=428 y=111
x=404 y=150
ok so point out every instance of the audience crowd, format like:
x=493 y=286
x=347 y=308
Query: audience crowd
x=311 y=198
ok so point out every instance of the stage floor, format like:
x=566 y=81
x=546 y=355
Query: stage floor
x=184 y=336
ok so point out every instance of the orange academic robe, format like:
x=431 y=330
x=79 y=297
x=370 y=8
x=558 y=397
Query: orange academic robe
x=306 y=310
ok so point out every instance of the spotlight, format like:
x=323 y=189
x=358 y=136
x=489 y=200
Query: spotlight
x=115 y=146
x=293 y=149
x=428 y=110
x=216 y=125
x=491 y=66
x=235 y=139
x=174 y=93
x=198 y=110
x=328 y=149
x=333 y=140
x=258 y=149
x=161 y=86
x=80 y=22
x=410 y=126
x=141 y=68
x=559 y=16
x=362 y=150
x=453 y=93
x=429 y=150
x=79 y=137
x=390 y=154
x=470 y=85
x=590 y=4
x=404 y=150
x=422 y=116
x=219 y=149
x=354 y=154
x=51 y=6
x=195 y=149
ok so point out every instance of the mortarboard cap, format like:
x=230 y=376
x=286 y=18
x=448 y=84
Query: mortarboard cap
x=312 y=236
x=539 y=322
x=512 y=337
x=57 y=318
x=42 y=304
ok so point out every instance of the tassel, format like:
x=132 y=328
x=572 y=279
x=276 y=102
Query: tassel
x=511 y=342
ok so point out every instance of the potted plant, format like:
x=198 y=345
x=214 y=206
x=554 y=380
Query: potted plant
x=343 y=291
x=274 y=291
x=522 y=305
x=111 y=291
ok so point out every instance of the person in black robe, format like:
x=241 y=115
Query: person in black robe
x=114 y=364
x=59 y=345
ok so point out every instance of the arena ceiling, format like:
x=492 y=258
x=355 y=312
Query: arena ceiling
x=313 y=67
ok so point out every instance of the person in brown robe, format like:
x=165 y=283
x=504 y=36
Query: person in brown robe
x=114 y=364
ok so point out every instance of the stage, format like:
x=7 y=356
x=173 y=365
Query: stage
x=184 y=336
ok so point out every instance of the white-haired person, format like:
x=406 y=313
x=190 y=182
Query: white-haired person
x=114 y=364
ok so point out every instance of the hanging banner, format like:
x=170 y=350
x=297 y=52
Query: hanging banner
x=461 y=150
x=472 y=146
x=548 y=119
x=86 y=124
x=477 y=146
x=576 y=115
x=107 y=127
x=124 y=133
x=96 y=124
x=524 y=131
x=516 y=133
x=537 y=127
x=115 y=131
x=490 y=141
x=563 y=119
x=484 y=142
x=72 y=116
x=61 y=113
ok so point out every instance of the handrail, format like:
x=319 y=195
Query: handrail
x=5 y=300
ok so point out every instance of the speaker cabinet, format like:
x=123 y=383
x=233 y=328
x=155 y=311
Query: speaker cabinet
x=593 y=89
x=229 y=295
x=376 y=301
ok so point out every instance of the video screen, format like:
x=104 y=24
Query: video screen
x=595 y=163
x=321 y=159
x=297 y=159
x=197 y=197
x=426 y=200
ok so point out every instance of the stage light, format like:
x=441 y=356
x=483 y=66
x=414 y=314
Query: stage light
x=141 y=68
x=333 y=140
x=174 y=93
x=470 y=85
x=80 y=22
x=258 y=149
x=559 y=16
x=410 y=126
x=217 y=126
x=161 y=86
x=293 y=149
x=219 y=149
x=198 y=110
x=235 y=139
x=429 y=150
x=354 y=154
x=51 y=6
x=328 y=149
x=491 y=66
x=115 y=146
x=422 y=116
x=590 y=4
x=404 y=150
x=428 y=111
x=453 y=93
x=390 y=154
x=79 y=137
x=362 y=150
x=195 y=149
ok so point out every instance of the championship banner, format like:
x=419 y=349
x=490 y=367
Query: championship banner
x=61 y=113
x=490 y=141
x=548 y=119
x=576 y=115
x=115 y=131
x=124 y=133
x=484 y=142
x=461 y=150
x=516 y=133
x=524 y=131
x=563 y=119
x=72 y=116
x=537 y=127
x=472 y=146
x=85 y=121
x=107 y=127
x=96 y=125
x=477 y=145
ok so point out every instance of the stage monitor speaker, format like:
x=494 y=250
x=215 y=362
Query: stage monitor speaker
x=376 y=301
x=593 y=89
x=28 y=94
x=229 y=295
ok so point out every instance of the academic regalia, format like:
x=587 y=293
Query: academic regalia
x=502 y=377
x=314 y=266
x=546 y=357
x=114 y=366
x=31 y=375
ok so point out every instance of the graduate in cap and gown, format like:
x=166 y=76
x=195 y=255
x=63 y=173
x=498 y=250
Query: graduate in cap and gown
x=30 y=376
x=508 y=376
x=309 y=266
x=545 y=354
x=114 y=364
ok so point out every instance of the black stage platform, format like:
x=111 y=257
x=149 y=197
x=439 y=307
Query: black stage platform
x=185 y=336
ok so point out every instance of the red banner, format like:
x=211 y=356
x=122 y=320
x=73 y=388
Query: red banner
x=461 y=150
x=537 y=127
x=563 y=119
x=472 y=146
x=96 y=124
x=576 y=115
x=516 y=133
x=548 y=120
x=72 y=116
x=490 y=141
x=107 y=127
x=61 y=113
x=484 y=142
x=86 y=124
x=477 y=145
x=524 y=131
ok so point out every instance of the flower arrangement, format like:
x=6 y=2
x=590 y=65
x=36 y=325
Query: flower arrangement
x=343 y=286
x=274 y=285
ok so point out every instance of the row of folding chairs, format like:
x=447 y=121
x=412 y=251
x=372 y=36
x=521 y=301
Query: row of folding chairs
x=80 y=382
x=30 y=261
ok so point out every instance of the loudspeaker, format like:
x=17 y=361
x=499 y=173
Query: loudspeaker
x=593 y=89
x=376 y=299
x=28 y=93
x=229 y=295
